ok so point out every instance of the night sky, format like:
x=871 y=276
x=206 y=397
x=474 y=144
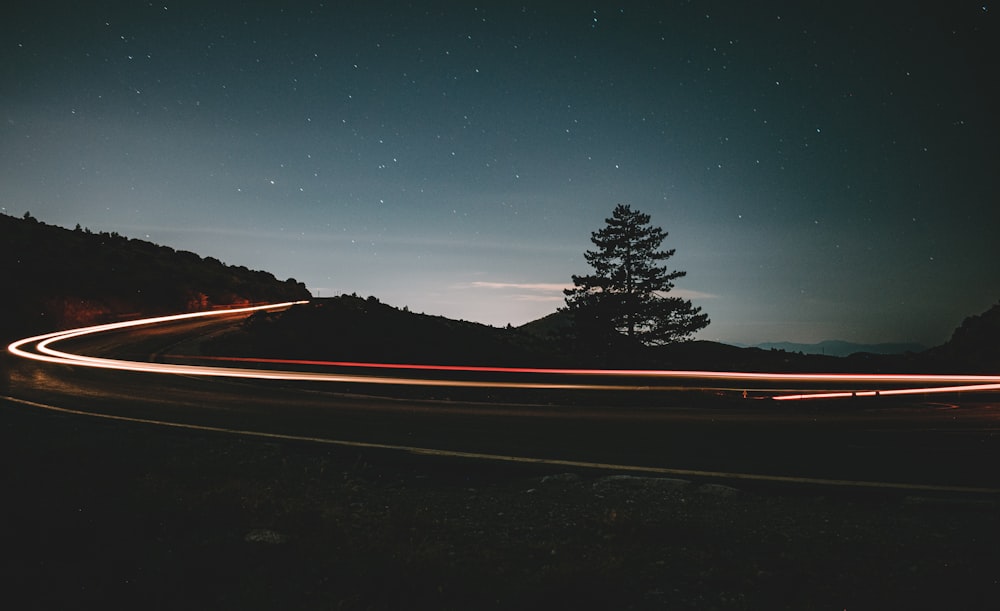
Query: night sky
x=825 y=170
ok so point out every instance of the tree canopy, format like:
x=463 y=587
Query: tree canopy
x=627 y=294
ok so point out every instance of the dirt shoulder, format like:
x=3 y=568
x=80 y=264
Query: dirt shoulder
x=103 y=515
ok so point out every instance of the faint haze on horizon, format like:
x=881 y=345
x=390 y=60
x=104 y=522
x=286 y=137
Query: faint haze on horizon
x=824 y=172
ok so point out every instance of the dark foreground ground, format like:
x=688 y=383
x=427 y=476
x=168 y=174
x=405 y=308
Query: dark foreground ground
x=99 y=515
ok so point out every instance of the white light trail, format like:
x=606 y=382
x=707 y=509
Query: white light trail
x=921 y=384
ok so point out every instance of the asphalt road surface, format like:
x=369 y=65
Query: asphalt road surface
x=944 y=442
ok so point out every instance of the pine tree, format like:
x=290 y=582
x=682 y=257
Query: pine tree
x=626 y=295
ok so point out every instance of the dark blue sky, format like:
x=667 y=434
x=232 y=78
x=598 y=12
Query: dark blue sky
x=824 y=170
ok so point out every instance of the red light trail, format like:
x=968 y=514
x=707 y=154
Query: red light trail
x=41 y=348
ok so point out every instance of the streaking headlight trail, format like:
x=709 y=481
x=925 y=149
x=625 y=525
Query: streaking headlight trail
x=41 y=348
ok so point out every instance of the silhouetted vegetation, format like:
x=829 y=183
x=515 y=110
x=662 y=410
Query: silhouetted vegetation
x=974 y=346
x=624 y=302
x=57 y=278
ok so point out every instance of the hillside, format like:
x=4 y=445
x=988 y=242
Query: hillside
x=974 y=346
x=58 y=278
x=352 y=328
x=842 y=348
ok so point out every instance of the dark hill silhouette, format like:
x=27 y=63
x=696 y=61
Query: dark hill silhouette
x=351 y=328
x=842 y=348
x=57 y=278
x=974 y=346
x=698 y=354
x=552 y=326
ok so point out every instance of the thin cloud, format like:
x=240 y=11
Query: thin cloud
x=689 y=294
x=540 y=298
x=520 y=286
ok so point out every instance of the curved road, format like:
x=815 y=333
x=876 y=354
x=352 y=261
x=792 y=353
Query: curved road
x=667 y=423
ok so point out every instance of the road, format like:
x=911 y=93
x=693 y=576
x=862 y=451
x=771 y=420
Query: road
x=690 y=424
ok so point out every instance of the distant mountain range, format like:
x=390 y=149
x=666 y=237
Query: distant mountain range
x=841 y=348
x=550 y=325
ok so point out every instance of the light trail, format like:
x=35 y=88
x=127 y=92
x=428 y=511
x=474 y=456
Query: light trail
x=890 y=392
x=918 y=383
x=654 y=373
x=46 y=353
